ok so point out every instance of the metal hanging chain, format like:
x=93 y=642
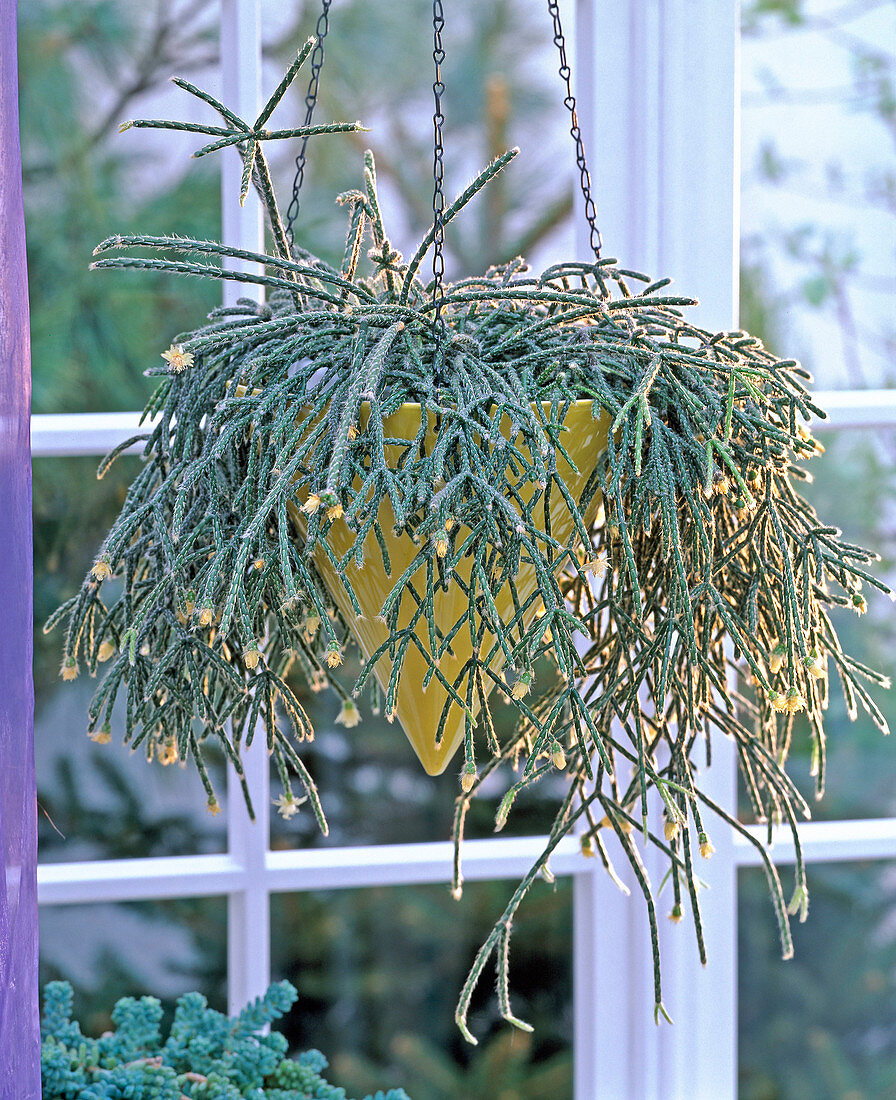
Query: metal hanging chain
x=317 y=60
x=438 y=171
x=570 y=103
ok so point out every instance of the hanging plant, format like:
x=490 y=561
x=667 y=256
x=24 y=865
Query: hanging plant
x=554 y=491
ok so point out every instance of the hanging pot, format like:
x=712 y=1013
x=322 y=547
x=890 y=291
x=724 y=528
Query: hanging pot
x=418 y=708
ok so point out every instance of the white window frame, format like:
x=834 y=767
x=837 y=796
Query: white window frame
x=658 y=85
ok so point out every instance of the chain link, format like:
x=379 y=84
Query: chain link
x=438 y=171
x=317 y=60
x=570 y=104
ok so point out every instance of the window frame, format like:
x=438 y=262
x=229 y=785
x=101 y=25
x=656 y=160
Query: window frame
x=670 y=57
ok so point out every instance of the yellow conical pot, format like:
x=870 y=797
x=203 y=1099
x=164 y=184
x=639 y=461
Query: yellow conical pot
x=419 y=710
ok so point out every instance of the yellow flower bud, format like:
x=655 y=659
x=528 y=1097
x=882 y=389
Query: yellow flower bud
x=744 y=505
x=794 y=701
x=468 y=778
x=288 y=805
x=311 y=626
x=101 y=569
x=807 y=437
x=168 y=753
x=334 y=655
x=106 y=650
x=706 y=848
x=671 y=828
x=814 y=666
x=776 y=660
x=251 y=657
x=522 y=685
x=178 y=360
x=597 y=565
x=349 y=716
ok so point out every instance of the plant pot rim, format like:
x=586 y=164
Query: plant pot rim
x=241 y=389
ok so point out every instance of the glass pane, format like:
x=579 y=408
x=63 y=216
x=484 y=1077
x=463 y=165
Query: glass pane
x=132 y=949
x=819 y=221
x=94 y=333
x=502 y=90
x=96 y=801
x=855 y=482
x=820 y=1026
x=378 y=973
x=374 y=790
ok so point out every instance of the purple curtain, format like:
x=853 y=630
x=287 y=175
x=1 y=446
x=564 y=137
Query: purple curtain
x=19 y=1033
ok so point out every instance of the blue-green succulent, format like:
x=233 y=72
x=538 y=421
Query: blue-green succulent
x=206 y=1056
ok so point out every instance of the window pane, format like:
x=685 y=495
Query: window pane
x=855 y=488
x=819 y=221
x=132 y=949
x=94 y=333
x=501 y=90
x=821 y=1026
x=374 y=790
x=96 y=801
x=378 y=973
